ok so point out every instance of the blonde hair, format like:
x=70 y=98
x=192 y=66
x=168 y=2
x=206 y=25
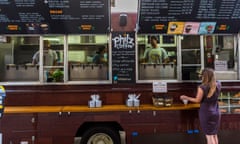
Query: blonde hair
x=209 y=79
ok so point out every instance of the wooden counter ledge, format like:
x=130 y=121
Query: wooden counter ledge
x=104 y=108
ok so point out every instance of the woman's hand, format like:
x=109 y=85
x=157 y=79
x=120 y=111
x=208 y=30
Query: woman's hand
x=182 y=97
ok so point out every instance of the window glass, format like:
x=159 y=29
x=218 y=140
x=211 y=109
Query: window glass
x=88 y=57
x=220 y=53
x=157 y=56
x=191 y=57
x=16 y=54
x=52 y=58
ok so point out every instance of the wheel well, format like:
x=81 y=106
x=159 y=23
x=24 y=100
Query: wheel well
x=86 y=125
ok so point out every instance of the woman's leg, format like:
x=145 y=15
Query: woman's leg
x=210 y=139
x=215 y=139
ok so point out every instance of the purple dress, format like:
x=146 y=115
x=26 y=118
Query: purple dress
x=209 y=113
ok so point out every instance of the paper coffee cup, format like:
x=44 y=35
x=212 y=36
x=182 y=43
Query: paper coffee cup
x=185 y=101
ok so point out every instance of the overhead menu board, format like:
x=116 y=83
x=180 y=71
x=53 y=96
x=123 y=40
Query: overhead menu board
x=54 y=16
x=189 y=16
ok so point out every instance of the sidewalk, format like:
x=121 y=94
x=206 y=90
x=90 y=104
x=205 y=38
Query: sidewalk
x=225 y=137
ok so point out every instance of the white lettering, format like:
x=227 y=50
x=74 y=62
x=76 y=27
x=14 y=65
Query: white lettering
x=123 y=42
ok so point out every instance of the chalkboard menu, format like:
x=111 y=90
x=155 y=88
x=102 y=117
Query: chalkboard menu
x=189 y=16
x=54 y=16
x=123 y=57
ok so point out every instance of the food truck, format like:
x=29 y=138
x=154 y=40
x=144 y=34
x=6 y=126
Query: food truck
x=117 y=99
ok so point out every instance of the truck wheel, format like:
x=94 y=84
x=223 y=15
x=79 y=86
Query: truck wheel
x=100 y=135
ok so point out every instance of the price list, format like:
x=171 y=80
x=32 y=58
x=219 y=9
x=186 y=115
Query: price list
x=175 y=8
x=165 y=10
x=226 y=9
x=154 y=16
x=219 y=10
x=236 y=11
x=153 y=11
x=187 y=7
x=207 y=9
x=178 y=8
x=54 y=16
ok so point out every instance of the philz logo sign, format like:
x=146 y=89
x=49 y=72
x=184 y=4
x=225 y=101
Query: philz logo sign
x=124 y=41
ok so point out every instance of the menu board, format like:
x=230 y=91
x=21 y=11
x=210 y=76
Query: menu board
x=123 y=57
x=189 y=16
x=54 y=16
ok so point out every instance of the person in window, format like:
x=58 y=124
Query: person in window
x=209 y=113
x=50 y=56
x=155 y=54
x=101 y=56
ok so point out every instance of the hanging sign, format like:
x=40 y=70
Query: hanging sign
x=123 y=57
x=54 y=16
x=159 y=87
x=157 y=16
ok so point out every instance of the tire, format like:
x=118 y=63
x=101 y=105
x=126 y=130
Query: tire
x=100 y=135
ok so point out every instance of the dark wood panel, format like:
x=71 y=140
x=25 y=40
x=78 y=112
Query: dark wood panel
x=80 y=94
x=52 y=128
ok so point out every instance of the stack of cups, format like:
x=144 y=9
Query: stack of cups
x=95 y=101
x=133 y=100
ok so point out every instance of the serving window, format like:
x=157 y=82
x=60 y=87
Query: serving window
x=190 y=57
x=51 y=58
x=16 y=54
x=221 y=53
x=85 y=58
x=54 y=58
x=157 y=57
x=88 y=58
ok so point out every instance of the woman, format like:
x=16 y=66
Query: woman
x=207 y=96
